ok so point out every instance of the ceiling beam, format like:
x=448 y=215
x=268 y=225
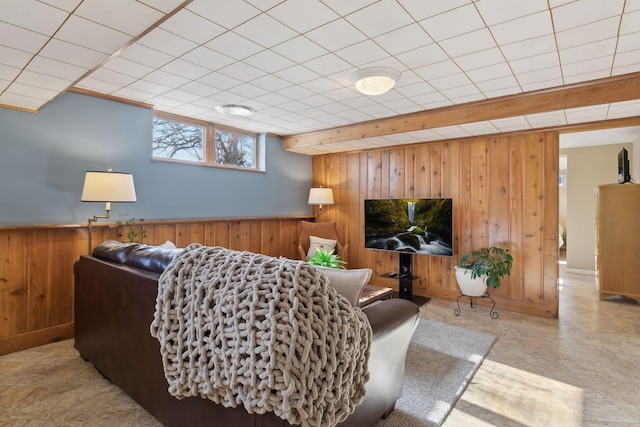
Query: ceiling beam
x=595 y=92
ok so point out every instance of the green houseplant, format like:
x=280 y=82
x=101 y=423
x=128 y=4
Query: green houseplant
x=484 y=267
x=135 y=232
x=326 y=259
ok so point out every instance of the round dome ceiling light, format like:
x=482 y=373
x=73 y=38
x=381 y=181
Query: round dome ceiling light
x=234 y=110
x=375 y=81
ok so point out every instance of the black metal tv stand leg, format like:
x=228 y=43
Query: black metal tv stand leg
x=406 y=277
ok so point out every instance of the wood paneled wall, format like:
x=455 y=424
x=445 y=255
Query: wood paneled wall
x=504 y=191
x=36 y=266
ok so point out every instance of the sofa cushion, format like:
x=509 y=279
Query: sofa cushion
x=113 y=250
x=348 y=283
x=316 y=243
x=151 y=258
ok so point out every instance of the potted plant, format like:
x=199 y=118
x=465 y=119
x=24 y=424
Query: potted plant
x=326 y=259
x=481 y=268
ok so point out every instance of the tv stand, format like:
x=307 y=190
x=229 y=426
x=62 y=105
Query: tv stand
x=405 y=276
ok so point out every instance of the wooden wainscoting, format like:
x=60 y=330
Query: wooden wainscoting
x=36 y=265
x=504 y=191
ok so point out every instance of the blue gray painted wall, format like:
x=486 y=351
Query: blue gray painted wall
x=43 y=158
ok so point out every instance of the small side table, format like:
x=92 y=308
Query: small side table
x=493 y=314
x=372 y=293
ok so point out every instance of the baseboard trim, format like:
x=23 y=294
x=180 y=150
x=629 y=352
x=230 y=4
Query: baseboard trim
x=36 y=338
x=584 y=272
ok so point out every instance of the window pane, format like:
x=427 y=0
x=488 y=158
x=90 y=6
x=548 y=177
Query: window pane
x=180 y=141
x=235 y=149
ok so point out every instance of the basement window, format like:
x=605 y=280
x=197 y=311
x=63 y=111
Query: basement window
x=184 y=140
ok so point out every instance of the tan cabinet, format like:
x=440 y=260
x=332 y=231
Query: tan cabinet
x=618 y=239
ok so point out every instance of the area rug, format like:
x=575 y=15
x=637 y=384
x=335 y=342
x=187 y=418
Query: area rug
x=441 y=361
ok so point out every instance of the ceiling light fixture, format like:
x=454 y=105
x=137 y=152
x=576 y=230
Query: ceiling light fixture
x=235 y=110
x=375 y=81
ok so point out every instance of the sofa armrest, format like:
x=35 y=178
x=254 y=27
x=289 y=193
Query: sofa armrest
x=393 y=322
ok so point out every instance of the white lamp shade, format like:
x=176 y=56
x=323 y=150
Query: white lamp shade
x=108 y=187
x=320 y=196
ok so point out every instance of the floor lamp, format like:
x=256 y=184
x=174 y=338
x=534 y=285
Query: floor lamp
x=108 y=187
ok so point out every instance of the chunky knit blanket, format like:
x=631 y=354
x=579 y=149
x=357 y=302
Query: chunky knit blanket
x=268 y=334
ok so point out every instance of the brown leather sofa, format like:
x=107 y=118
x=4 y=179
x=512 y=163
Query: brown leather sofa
x=115 y=294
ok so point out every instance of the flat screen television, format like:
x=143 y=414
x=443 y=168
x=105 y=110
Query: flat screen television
x=417 y=226
x=623 y=167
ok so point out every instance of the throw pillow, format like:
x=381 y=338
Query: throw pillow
x=348 y=283
x=168 y=245
x=316 y=243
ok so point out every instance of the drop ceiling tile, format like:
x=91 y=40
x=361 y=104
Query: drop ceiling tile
x=21 y=101
x=198 y=88
x=552 y=118
x=379 y=18
x=320 y=100
x=297 y=74
x=497 y=84
x=182 y=96
x=336 y=35
x=502 y=92
x=327 y=64
x=19 y=38
x=32 y=91
x=628 y=42
x=453 y=23
x=271 y=83
x=112 y=77
x=531 y=47
x=536 y=62
x=425 y=135
x=273 y=99
x=242 y=71
x=264 y=5
x=362 y=53
x=600 y=64
x=430 y=100
x=479 y=128
x=300 y=49
x=296 y=92
x=451 y=132
x=128 y=16
x=97 y=85
x=125 y=66
x=546 y=74
x=586 y=114
x=630 y=23
x=491 y=72
x=631 y=5
x=207 y=58
x=66 y=5
x=185 y=69
x=341 y=94
x=422 y=56
x=83 y=32
x=583 y=77
x=544 y=84
x=440 y=69
x=588 y=33
x=164 y=103
x=145 y=56
x=624 y=109
x=303 y=15
x=14 y=57
x=8 y=73
x=4 y=84
x=166 y=79
x=403 y=39
x=588 y=51
x=527 y=27
x=165 y=6
x=511 y=124
x=134 y=94
x=401 y=104
x=149 y=87
x=462 y=94
x=266 y=31
x=468 y=43
x=219 y=81
x=166 y=42
x=269 y=61
x=234 y=46
x=421 y=9
x=480 y=59
x=497 y=11
x=627 y=59
x=190 y=110
x=192 y=27
x=34 y=16
x=584 y=12
x=72 y=54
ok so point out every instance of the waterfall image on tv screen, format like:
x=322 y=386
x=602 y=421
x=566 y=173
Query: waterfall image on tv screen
x=420 y=226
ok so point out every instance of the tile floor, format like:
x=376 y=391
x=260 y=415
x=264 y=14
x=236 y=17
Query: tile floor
x=580 y=370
